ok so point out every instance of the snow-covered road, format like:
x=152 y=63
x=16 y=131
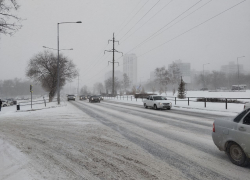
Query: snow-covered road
x=115 y=141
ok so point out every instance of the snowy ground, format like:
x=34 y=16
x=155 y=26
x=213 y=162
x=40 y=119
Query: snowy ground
x=104 y=140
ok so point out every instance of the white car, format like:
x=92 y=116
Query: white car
x=157 y=102
x=232 y=135
x=247 y=105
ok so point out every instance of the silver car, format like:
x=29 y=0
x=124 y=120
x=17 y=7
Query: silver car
x=71 y=97
x=233 y=137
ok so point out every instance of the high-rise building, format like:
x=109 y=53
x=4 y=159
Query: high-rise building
x=130 y=67
x=232 y=68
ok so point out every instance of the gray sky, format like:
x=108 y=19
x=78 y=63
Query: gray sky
x=217 y=41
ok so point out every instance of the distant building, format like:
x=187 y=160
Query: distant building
x=232 y=68
x=130 y=67
x=118 y=75
x=185 y=70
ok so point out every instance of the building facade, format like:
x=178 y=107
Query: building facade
x=130 y=67
x=232 y=68
x=185 y=70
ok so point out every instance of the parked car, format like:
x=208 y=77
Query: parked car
x=233 y=137
x=83 y=97
x=5 y=103
x=71 y=97
x=157 y=102
x=94 y=99
x=11 y=101
x=204 y=89
x=247 y=105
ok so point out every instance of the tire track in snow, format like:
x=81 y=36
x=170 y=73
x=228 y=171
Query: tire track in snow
x=190 y=169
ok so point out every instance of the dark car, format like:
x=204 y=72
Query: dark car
x=101 y=97
x=83 y=97
x=204 y=89
x=94 y=99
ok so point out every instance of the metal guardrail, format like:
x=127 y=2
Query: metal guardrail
x=175 y=99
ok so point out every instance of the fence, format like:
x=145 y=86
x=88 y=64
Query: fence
x=36 y=102
x=175 y=99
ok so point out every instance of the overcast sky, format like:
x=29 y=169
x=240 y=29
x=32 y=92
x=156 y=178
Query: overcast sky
x=195 y=31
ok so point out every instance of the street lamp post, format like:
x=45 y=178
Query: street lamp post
x=58 y=69
x=204 y=74
x=238 y=72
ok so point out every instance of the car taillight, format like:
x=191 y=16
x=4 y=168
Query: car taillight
x=213 y=127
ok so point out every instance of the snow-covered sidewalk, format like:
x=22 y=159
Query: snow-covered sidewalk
x=211 y=107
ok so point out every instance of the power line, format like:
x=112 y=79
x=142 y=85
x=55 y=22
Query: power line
x=95 y=61
x=134 y=16
x=140 y=19
x=181 y=19
x=87 y=82
x=194 y=27
x=148 y=20
x=143 y=42
x=89 y=69
x=128 y=16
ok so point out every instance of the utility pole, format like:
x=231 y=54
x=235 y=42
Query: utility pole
x=113 y=50
x=78 y=86
x=238 y=72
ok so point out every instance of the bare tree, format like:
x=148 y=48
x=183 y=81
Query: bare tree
x=175 y=75
x=162 y=77
x=84 y=90
x=133 y=90
x=108 y=84
x=42 y=68
x=9 y=22
x=98 y=88
x=125 y=82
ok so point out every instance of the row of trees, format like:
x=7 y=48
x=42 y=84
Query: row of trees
x=106 y=87
x=164 y=79
x=217 y=79
x=18 y=87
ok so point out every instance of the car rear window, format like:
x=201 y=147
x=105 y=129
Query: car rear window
x=241 y=115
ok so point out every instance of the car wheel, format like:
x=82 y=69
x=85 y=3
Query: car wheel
x=145 y=105
x=236 y=154
x=4 y=105
x=155 y=107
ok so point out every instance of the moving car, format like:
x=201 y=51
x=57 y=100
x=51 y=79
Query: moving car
x=233 y=137
x=101 y=97
x=83 y=97
x=157 y=102
x=71 y=97
x=94 y=99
